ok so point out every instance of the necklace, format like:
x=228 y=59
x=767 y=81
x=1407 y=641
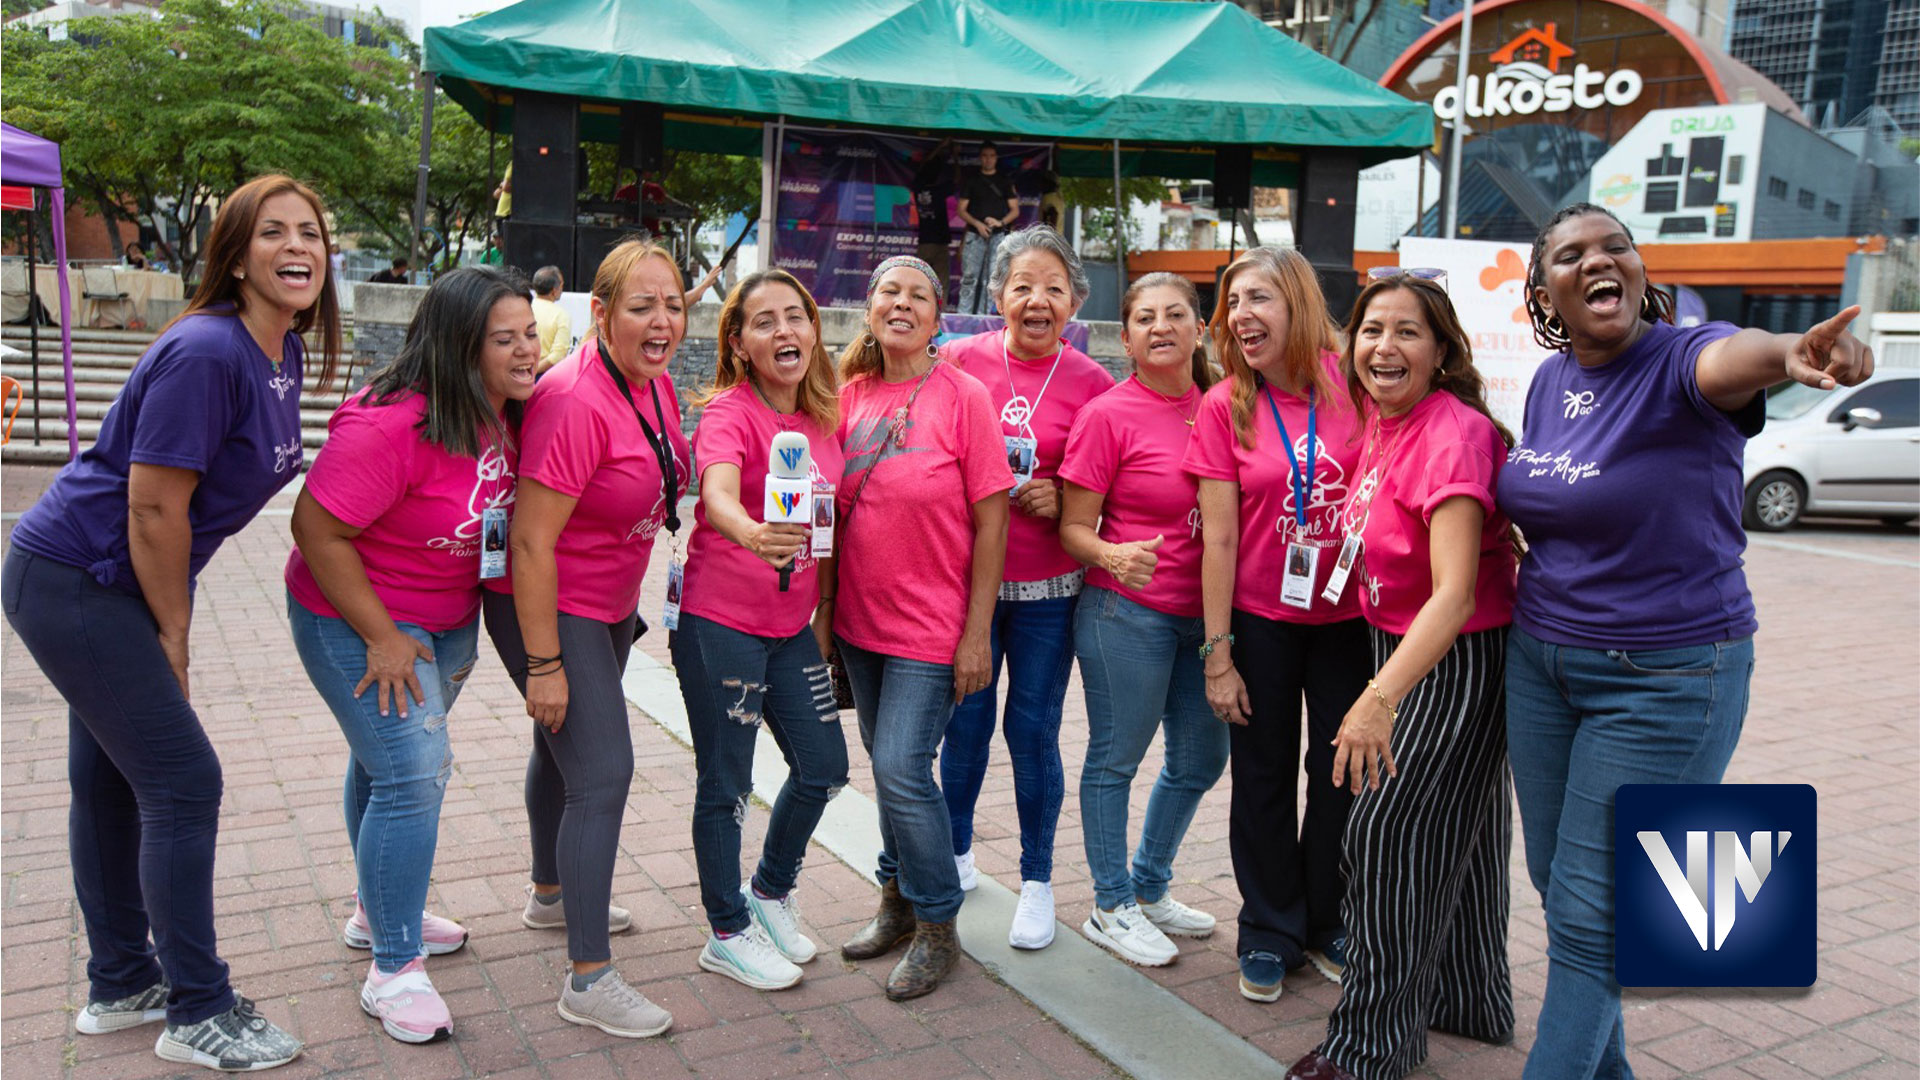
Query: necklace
x=1018 y=411
x=1175 y=402
x=767 y=401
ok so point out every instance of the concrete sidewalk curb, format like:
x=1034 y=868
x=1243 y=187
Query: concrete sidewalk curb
x=1126 y=1017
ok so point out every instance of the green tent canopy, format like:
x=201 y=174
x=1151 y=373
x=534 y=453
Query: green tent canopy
x=1170 y=80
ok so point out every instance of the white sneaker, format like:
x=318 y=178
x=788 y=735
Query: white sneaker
x=969 y=877
x=1033 y=919
x=749 y=958
x=781 y=921
x=1130 y=935
x=1176 y=918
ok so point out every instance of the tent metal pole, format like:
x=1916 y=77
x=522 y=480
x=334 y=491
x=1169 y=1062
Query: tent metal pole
x=1452 y=227
x=33 y=318
x=773 y=141
x=1119 y=235
x=426 y=166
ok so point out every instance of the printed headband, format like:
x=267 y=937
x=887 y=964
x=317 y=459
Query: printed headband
x=939 y=290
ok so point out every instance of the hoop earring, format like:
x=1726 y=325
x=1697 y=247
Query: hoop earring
x=1555 y=327
x=867 y=341
x=933 y=352
x=1648 y=312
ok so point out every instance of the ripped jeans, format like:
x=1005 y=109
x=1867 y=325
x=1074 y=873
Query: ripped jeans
x=397 y=767
x=733 y=682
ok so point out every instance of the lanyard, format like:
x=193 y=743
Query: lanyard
x=662 y=449
x=1017 y=408
x=1302 y=485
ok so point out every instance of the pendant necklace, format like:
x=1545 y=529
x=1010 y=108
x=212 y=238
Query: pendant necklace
x=1175 y=402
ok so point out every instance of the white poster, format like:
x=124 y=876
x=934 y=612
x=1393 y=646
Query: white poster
x=1487 y=282
x=1685 y=175
x=1387 y=203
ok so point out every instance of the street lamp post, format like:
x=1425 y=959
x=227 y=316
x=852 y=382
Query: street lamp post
x=1452 y=229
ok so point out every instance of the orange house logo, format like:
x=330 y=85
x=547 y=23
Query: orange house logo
x=1535 y=46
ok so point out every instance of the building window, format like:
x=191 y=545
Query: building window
x=1831 y=210
x=1736 y=168
x=1776 y=187
x=1806 y=199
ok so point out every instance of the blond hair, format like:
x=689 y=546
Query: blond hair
x=818 y=397
x=1310 y=331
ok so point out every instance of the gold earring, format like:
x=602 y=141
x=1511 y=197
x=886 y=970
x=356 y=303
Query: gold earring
x=1555 y=328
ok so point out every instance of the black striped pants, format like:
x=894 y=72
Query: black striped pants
x=1426 y=864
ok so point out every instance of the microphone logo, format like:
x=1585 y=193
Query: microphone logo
x=790 y=456
x=788 y=500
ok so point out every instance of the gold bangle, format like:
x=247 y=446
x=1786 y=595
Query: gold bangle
x=1393 y=714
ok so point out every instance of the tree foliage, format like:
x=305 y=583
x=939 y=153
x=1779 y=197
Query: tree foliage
x=159 y=117
x=375 y=205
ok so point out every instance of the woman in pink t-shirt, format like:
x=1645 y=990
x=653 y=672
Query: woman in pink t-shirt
x=383 y=594
x=1274 y=448
x=1423 y=745
x=756 y=615
x=1132 y=516
x=923 y=531
x=1037 y=384
x=602 y=468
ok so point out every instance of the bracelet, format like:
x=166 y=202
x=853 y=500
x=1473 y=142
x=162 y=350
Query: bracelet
x=1393 y=714
x=1207 y=649
x=551 y=664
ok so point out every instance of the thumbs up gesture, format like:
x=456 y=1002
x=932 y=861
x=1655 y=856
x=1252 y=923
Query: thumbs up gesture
x=1132 y=563
x=1828 y=355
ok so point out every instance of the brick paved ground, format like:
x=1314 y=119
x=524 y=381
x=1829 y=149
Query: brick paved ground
x=1834 y=701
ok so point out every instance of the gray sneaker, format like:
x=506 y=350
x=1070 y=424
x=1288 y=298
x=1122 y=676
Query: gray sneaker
x=613 y=1007
x=146 y=1007
x=539 y=916
x=238 y=1040
x=781 y=920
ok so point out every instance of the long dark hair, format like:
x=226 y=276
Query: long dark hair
x=1655 y=306
x=1204 y=374
x=227 y=245
x=1456 y=374
x=440 y=361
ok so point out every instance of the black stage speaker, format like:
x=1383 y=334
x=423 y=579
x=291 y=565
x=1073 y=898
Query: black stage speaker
x=590 y=245
x=534 y=244
x=1323 y=224
x=1233 y=178
x=546 y=149
x=643 y=136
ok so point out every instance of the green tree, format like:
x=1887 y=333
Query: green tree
x=1094 y=195
x=158 y=118
x=375 y=205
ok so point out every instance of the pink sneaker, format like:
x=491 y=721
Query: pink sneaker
x=438 y=936
x=406 y=1004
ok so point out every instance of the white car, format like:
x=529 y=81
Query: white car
x=1851 y=451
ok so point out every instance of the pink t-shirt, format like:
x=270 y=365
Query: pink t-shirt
x=726 y=582
x=580 y=438
x=1268 y=517
x=1033 y=543
x=1127 y=444
x=417 y=506
x=906 y=549
x=1436 y=450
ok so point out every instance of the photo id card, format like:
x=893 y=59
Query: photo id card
x=493 y=542
x=1022 y=452
x=676 y=581
x=821 y=546
x=1337 y=581
x=1296 y=585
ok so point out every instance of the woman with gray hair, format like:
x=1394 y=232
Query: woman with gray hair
x=1037 y=383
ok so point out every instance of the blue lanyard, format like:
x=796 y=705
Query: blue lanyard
x=1302 y=486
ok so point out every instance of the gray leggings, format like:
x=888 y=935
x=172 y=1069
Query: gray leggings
x=577 y=779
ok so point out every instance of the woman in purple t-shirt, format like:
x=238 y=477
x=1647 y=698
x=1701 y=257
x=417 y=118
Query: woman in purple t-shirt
x=99 y=586
x=383 y=596
x=1632 y=642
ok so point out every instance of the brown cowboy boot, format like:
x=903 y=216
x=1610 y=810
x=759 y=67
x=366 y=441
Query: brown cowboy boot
x=935 y=949
x=891 y=925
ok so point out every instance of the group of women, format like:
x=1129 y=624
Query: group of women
x=1326 y=516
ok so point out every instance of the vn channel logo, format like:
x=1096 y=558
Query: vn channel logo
x=1715 y=885
x=790 y=456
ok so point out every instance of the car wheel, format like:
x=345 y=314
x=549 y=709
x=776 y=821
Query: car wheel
x=1774 y=501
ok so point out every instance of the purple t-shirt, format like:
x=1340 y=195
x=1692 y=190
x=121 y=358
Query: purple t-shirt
x=204 y=398
x=1626 y=483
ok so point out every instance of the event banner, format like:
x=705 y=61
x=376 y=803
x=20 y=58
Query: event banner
x=1487 y=282
x=846 y=203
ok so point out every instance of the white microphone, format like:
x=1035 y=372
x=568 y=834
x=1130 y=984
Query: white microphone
x=789 y=497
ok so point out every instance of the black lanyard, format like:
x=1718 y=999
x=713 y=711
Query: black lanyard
x=662 y=449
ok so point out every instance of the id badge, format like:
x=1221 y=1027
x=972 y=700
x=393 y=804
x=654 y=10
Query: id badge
x=676 y=581
x=1022 y=452
x=1296 y=585
x=822 y=541
x=493 y=543
x=1337 y=581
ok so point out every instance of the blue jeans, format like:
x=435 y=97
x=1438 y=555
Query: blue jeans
x=146 y=787
x=731 y=682
x=1581 y=722
x=976 y=267
x=1142 y=671
x=1035 y=638
x=397 y=767
x=903 y=707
